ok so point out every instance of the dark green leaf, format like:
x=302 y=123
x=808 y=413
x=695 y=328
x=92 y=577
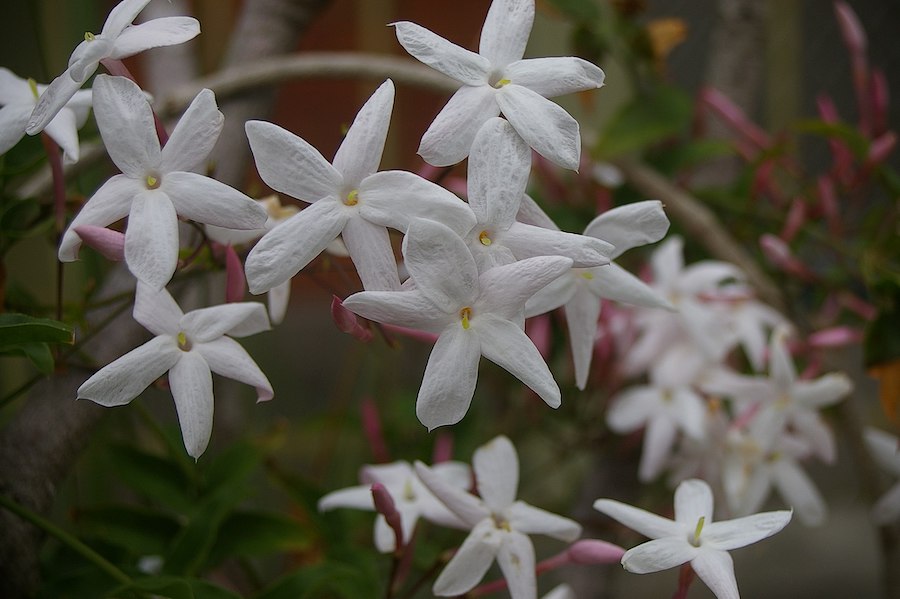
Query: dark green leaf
x=646 y=120
x=855 y=140
x=245 y=534
x=140 y=531
x=323 y=581
x=196 y=540
x=16 y=329
x=155 y=478
x=174 y=587
x=39 y=354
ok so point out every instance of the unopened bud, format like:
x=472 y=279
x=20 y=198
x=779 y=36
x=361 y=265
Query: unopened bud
x=384 y=505
x=110 y=244
x=347 y=321
x=593 y=551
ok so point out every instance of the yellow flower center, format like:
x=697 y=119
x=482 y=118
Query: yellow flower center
x=352 y=198
x=700 y=523
x=501 y=83
x=408 y=493
x=464 y=315
x=184 y=344
x=501 y=522
x=153 y=181
x=89 y=37
x=484 y=238
x=588 y=275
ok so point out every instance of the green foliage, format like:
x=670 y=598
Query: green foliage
x=31 y=337
x=646 y=120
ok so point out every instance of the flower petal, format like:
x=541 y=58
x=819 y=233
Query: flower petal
x=156 y=310
x=164 y=31
x=410 y=309
x=527 y=241
x=122 y=15
x=469 y=508
x=498 y=169
x=555 y=75
x=440 y=264
x=505 y=31
x=630 y=226
x=360 y=153
x=659 y=437
x=126 y=124
x=290 y=165
x=191 y=384
x=51 y=102
x=64 y=131
x=13 y=119
x=151 y=239
x=357 y=498
x=799 y=491
x=212 y=202
x=613 y=282
x=279 y=300
x=506 y=345
x=887 y=509
x=449 y=138
x=532 y=520
x=716 y=569
x=556 y=293
x=693 y=500
x=822 y=391
x=226 y=357
x=505 y=289
x=658 y=554
x=124 y=379
x=471 y=561
x=630 y=409
x=544 y=126
x=194 y=136
x=582 y=311
x=642 y=521
x=291 y=245
x=110 y=203
x=450 y=376
x=370 y=249
x=237 y=319
x=740 y=532
x=456 y=62
x=516 y=560
x=496 y=466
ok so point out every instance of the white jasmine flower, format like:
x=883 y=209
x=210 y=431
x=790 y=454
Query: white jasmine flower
x=347 y=198
x=885 y=448
x=189 y=347
x=497 y=80
x=157 y=185
x=500 y=524
x=581 y=290
x=473 y=314
x=118 y=39
x=412 y=499
x=18 y=97
x=692 y=537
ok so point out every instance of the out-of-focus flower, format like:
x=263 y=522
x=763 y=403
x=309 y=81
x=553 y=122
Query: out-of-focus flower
x=885 y=448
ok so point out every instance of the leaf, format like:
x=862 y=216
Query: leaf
x=856 y=141
x=323 y=581
x=246 y=534
x=174 y=587
x=39 y=354
x=192 y=546
x=141 y=531
x=152 y=477
x=646 y=120
x=16 y=329
x=671 y=160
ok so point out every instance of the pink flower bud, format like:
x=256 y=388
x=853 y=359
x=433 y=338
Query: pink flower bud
x=840 y=153
x=796 y=218
x=854 y=37
x=880 y=99
x=851 y=29
x=347 y=321
x=593 y=551
x=110 y=244
x=829 y=204
x=235 y=282
x=881 y=148
x=443 y=447
x=539 y=331
x=733 y=116
x=384 y=505
x=835 y=337
x=373 y=431
x=779 y=254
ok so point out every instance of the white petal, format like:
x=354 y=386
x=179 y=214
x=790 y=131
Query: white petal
x=440 y=264
x=360 y=152
x=516 y=560
x=13 y=119
x=51 y=102
x=238 y=319
x=124 y=379
x=226 y=357
x=887 y=509
x=212 y=202
x=781 y=364
x=126 y=125
x=151 y=239
x=631 y=408
x=740 y=532
x=279 y=300
x=555 y=294
x=668 y=261
x=498 y=169
x=194 y=136
x=286 y=249
x=799 y=491
x=122 y=15
x=506 y=345
x=465 y=505
x=707 y=275
x=110 y=203
x=358 y=498
x=370 y=249
x=165 y=31
x=393 y=198
x=823 y=391
x=470 y=562
x=582 y=312
x=505 y=289
x=449 y=138
x=693 y=500
x=191 y=383
x=87 y=56
x=885 y=448
x=63 y=130
x=156 y=310
x=630 y=226
x=659 y=437
x=410 y=309
x=289 y=164
x=556 y=75
x=527 y=241
x=531 y=213
x=496 y=466
x=460 y=64
x=642 y=521
x=450 y=376
x=544 y=126
x=658 y=554
x=716 y=569
x=506 y=30
x=16 y=90
x=531 y=520
x=611 y=281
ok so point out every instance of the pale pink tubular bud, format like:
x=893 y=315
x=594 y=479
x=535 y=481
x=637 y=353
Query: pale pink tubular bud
x=780 y=255
x=539 y=331
x=732 y=114
x=851 y=29
x=796 y=217
x=835 y=337
x=347 y=321
x=110 y=244
x=828 y=202
x=384 y=505
x=411 y=333
x=856 y=304
x=235 y=282
x=593 y=551
x=840 y=153
x=880 y=99
x=372 y=429
x=443 y=447
x=855 y=39
x=881 y=148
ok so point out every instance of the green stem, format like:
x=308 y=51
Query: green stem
x=67 y=539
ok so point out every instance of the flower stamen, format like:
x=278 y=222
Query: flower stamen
x=700 y=523
x=89 y=37
x=465 y=314
x=184 y=344
x=352 y=198
x=33 y=85
x=153 y=181
x=484 y=238
x=501 y=83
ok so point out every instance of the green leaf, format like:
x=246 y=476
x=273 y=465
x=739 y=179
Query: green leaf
x=190 y=549
x=855 y=140
x=16 y=329
x=644 y=121
x=671 y=160
x=39 y=354
x=233 y=466
x=245 y=534
x=139 y=530
x=323 y=581
x=152 y=477
x=174 y=587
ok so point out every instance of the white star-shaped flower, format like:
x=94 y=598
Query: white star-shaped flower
x=885 y=448
x=189 y=347
x=118 y=39
x=347 y=198
x=474 y=315
x=497 y=80
x=411 y=498
x=500 y=524
x=157 y=185
x=18 y=97
x=692 y=537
